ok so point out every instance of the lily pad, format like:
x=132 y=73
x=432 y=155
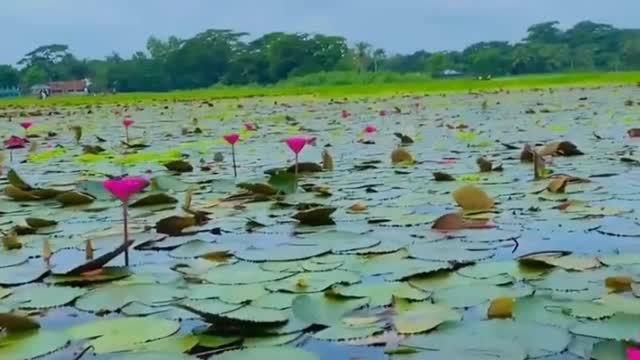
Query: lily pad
x=268 y=353
x=31 y=344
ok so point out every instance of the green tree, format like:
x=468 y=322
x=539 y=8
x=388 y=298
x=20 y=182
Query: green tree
x=362 y=53
x=9 y=76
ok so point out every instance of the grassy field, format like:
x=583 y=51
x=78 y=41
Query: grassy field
x=375 y=85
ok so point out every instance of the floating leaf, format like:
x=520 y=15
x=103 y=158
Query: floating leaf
x=115 y=297
x=37 y=223
x=268 y=353
x=321 y=309
x=442 y=176
x=414 y=318
x=179 y=166
x=154 y=199
x=122 y=334
x=43 y=297
x=31 y=344
x=618 y=327
x=73 y=198
x=16 y=181
x=284 y=182
x=382 y=294
x=17 y=194
x=173 y=225
x=558 y=185
x=316 y=216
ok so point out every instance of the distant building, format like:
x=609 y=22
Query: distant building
x=9 y=92
x=70 y=87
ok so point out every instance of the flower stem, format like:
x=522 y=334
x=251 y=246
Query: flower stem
x=126 y=134
x=233 y=156
x=296 y=173
x=125 y=217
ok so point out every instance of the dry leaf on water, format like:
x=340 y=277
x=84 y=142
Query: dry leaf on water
x=558 y=185
x=327 y=160
x=316 y=216
x=562 y=148
x=77 y=132
x=484 y=164
x=501 y=308
x=401 y=155
x=38 y=223
x=173 y=225
x=527 y=153
x=358 y=207
x=455 y=221
x=404 y=139
x=619 y=284
x=180 y=166
x=13 y=322
x=10 y=241
x=471 y=198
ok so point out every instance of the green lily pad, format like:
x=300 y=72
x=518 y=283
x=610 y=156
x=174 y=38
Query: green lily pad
x=275 y=300
x=115 y=297
x=122 y=334
x=215 y=342
x=436 y=252
x=610 y=350
x=414 y=318
x=618 y=327
x=43 y=296
x=273 y=340
x=443 y=347
x=310 y=282
x=208 y=309
x=268 y=353
x=153 y=356
x=382 y=294
x=242 y=273
x=31 y=344
x=23 y=273
x=153 y=200
x=12 y=258
x=471 y=295
x=338 y=333
x=341 y=241
x=233 y=294
x=324 y=310
x=282 y=253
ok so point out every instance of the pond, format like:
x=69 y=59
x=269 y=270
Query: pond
x=443 y=226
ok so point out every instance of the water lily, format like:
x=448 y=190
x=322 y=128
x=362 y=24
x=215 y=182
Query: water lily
x=345 y=114
x=633 y=354
x=26 y=125
x=250 y=126
x=370 y=129
x=296 y=144
x=232 y=139
x=383 y=113
x=15 y=142
x=127 y=123
x=123 y=189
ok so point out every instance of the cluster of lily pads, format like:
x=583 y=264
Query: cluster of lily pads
x=464 y=227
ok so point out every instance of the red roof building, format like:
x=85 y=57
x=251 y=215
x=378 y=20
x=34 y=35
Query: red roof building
x=75 y=86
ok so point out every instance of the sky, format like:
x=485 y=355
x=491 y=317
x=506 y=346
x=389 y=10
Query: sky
x=95 y=28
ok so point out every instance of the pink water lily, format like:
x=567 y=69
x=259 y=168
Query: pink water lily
x=633 y=354
x=296 y=144
x=128 y=122
x=370 y=129
x=15 y=142
x=345 y=114
x=232 y=138
x=250 y=126
x=123 y=189
x=26 y=124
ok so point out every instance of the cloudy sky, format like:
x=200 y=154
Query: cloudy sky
x=94 y=28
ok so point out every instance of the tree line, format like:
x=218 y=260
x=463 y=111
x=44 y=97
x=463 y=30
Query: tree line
x=225 y=57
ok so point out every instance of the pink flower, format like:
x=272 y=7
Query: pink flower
x=383 y=113
x=232 y=138
x=633 y=354
x=250 y=127
x=26 y=124
x=345 y=114
x=124 y=188
x=127 y=122
x=15 y=142
x=370 y=129
x=296 y=144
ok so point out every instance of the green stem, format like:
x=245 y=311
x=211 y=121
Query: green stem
x=126 y=232
x=233 y=156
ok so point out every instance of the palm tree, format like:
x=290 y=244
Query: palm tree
x=378 y=56
x=363 y=55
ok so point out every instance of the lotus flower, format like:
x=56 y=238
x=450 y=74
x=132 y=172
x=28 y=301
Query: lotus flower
x=311 y=141
x=633 y=354
x=123 y=189
x=233 y=139
x=345 y=114
x=250 y=126
x=383 y=113
x=127 y=123
x=26 y=125
x=15 y=142
x=296 y=144
x=370 y=129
